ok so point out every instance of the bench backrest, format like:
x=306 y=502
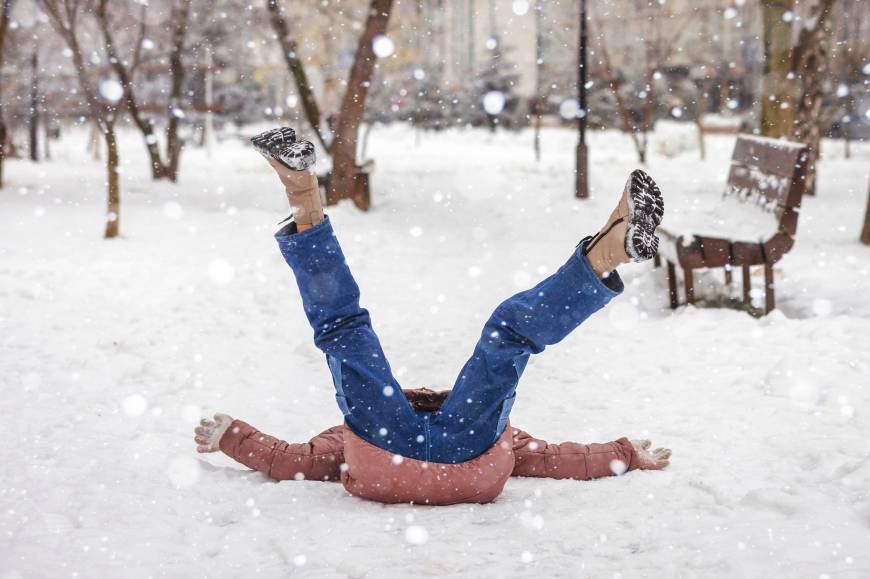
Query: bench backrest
x=771 y=174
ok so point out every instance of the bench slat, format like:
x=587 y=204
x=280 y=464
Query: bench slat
x=771 y=156
x=750 y=185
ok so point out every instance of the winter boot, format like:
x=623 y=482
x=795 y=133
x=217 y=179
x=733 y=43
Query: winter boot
x=291 y=159
x=629 y=234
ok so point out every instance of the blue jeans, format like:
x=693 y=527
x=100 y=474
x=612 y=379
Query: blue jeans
x=476 y=411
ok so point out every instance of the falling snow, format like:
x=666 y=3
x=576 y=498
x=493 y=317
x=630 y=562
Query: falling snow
x=204 y=316
x=112 y=350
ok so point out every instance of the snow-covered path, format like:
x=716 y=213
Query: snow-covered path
x=110 y=351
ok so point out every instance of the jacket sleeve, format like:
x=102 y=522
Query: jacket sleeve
x=318 y=459
x=537 y=458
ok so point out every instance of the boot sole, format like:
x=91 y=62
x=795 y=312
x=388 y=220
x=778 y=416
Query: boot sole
x=646 y=208
x=281 y=145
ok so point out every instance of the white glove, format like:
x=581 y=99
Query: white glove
x=209 y=432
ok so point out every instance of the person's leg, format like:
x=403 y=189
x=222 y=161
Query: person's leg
x=475 y=413
x=374 y=405
x=292 y=160
x=366 y=391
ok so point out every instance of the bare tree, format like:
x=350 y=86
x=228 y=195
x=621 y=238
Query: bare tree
x=65 y=17
x=865 y=232
x=5 y=10
x=289 y=49
x=162 y=166
x=794 y=75
x=540 y=99
x=850 y=51
x=180 y=17
x=810 y=58
x=343 y=149
x=658 y=49
x=344 y=143
x=701 y=103
x=33 y=124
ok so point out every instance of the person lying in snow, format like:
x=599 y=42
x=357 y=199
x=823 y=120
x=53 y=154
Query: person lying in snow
x=420 y=446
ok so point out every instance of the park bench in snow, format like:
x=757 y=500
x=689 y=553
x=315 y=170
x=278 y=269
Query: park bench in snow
x=754 y=223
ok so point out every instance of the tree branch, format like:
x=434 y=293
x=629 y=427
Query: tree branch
x=137 y=52
x=611 y=81
x=296 y=68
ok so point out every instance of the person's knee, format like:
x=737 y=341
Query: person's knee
x=505 y=328
x=343 y=332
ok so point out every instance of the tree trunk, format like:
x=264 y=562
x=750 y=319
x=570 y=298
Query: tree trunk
x=65 y=22
x=353 y=105
x=648 y=111
x=174 y=143
x=208 y=125
x=34 y=106
x=621 y=107
x=539 y=81
x=94 y=145
x=2 y=145
x=776 y=87
x=865 y=232
x=368 y=133
x=702 y=144
x=5 y=9
x=158 y=168
x=810 y=60
x=113 y=205
x=46 y=141
x=701 y=105
x=296 y=68
x=847 y=136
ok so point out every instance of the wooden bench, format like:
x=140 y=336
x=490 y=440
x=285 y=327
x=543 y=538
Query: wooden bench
x=766 y=175
x=361 y=194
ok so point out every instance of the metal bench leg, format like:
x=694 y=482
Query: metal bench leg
x=769 y=297
x=657 y=261
x=747 y=286
x=672 y=285
x=689 y=282
x=729 y=278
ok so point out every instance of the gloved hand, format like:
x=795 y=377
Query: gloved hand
x=209 y=432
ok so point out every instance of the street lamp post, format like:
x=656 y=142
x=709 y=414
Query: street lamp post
x=581 y=190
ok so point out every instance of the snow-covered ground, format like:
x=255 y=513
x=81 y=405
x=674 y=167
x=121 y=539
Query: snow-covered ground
x=111 y=350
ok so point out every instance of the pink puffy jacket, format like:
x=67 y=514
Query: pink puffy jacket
x=372 y=473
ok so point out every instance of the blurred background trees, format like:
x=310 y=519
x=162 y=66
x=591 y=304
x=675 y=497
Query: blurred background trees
x=188 y=72
x=70 y=19
x=135 y=50
x=5 y=10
